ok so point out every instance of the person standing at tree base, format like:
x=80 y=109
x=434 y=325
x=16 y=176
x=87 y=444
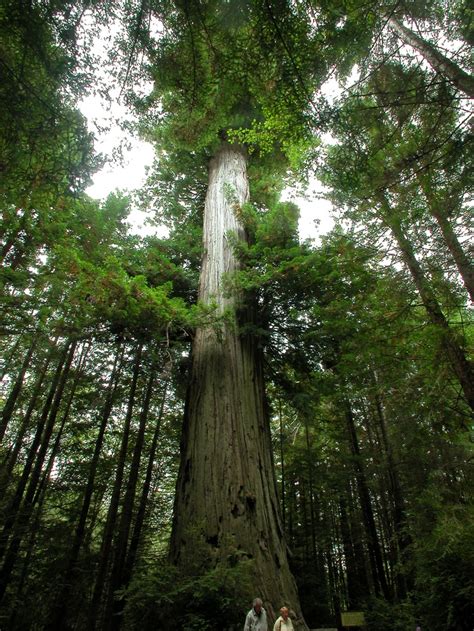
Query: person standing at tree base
x=283 y=623
x=256 y=619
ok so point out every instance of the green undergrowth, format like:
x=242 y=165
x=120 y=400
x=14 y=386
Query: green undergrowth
x=212 y=599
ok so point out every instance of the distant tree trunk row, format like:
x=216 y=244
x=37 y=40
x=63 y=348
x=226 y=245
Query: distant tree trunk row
x=105 y=484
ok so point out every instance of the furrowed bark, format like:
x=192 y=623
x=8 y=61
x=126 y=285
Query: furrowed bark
x=226 y=491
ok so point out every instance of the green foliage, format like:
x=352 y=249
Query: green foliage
x=45 y=148
x=246 y=78
x=273 y=247
x=207 y=598
x=445 y=564
x=383 y=615
x=127 y=302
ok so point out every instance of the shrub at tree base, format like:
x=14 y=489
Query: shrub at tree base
x=212 y=599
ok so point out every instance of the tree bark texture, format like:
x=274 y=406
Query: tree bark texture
x=226 y=490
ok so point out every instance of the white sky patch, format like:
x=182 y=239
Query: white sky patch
x=315 y=211
x=330 y=89
x=127 y=173
x=127 y=158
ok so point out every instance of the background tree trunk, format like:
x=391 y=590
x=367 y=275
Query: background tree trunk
x=439 y=209
x=12 y=455
x=98 y=618
x=460 y=363
x=441 y=64
x=373 y=545
x=18 y=529
x=61 y=605
x=126 y=517
x=144 y=499
x=226 y=491
x=13 y=506
x=15 y=391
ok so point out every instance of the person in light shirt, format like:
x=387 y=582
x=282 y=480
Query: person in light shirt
x=283 y=623
x=256 y=619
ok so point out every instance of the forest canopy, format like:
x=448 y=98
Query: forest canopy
x=230 y=411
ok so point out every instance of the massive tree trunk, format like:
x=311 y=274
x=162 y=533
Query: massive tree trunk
x=441 y=64
x=226 y=491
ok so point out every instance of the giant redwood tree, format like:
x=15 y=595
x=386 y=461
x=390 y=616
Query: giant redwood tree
x=226 y=487
x=231 y=91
